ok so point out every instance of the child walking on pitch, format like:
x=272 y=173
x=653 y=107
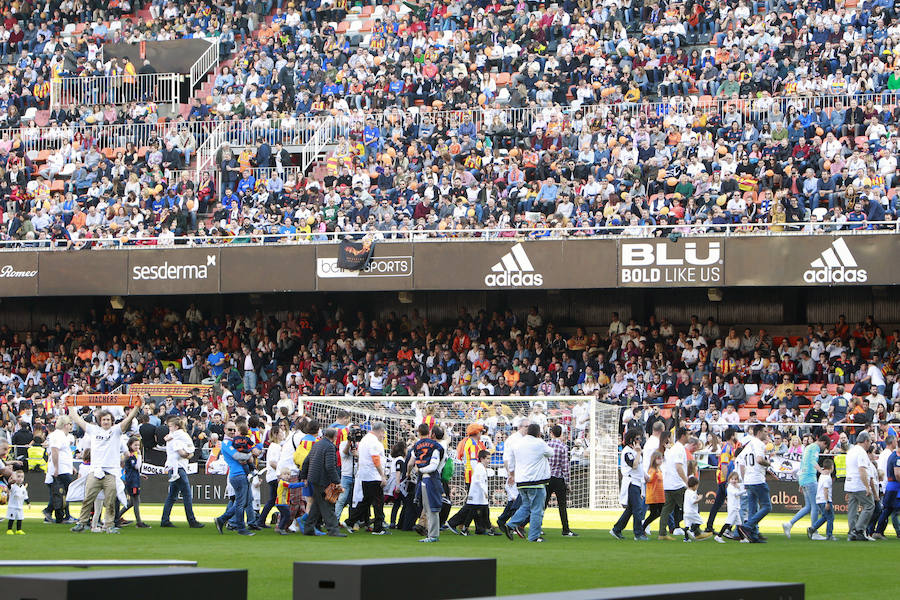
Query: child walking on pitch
x=18 y=498
x=734 y=492
x=826 y=506
x=692 y=519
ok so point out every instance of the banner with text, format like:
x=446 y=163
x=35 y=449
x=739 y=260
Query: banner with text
x=827 y=259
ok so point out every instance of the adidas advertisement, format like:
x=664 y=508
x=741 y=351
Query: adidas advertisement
x=514 y=270
x=682 y=262
x=836 y=264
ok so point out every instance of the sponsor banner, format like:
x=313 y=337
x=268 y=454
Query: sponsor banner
x=818 y=261
x=662 y=262
x=268 y=269
x=102 y=399
x=390 y=267
x=176 y=390
x=148 y=469
x=177 y=271
x=516 y=265
x=18 y=273
x=354 y=256
x=83 y=273
x=785 y=469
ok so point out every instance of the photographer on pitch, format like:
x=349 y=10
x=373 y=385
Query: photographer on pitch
x=349 y=462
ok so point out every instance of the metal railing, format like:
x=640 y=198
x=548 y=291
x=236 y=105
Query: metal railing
x=300 y=130
x=207 y=62
x=320 y=140
x=290 y=175
x=465 y=235
x=206 y=151
x=161 y=88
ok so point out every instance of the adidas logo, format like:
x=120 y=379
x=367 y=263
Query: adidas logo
x=514 y=270
x=835 y=265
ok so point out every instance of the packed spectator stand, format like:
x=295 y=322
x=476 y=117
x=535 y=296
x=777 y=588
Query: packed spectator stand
x=698 y=373
x=639 y=119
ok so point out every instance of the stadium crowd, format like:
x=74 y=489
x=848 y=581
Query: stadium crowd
x=638 y=119
x=835 y=386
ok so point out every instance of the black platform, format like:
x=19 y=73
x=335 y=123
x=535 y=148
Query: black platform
x=700 y=590
x=430 y=578
x=128 y=584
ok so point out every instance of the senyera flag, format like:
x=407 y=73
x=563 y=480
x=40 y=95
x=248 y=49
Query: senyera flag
x=102 y=399
x=354 y=256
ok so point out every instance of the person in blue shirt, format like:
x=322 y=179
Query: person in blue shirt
x=158 y=204
x=246 y=184
x=216 y=361
x=229 y=199
x=288 y=228
x=891 y=500
x=857 y=217
x=237 y=477
x=371 y=137
x=809 y=467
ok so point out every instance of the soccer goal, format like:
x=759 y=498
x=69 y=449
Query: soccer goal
x=590 y=431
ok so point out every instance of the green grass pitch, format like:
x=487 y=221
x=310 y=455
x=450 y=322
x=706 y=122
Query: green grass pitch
x=831 y=570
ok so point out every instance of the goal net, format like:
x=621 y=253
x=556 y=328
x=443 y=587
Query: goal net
x=590 y=431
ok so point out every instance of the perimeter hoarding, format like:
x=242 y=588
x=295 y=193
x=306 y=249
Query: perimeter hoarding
x=662 y=262
x=18 y=273
x=176 y=271
x=83 y=273
x=819 y=261
x=391 y=267
x=514 y=264
x=268 y=269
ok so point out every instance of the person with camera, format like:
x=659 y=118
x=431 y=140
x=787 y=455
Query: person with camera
x=371 y=479
x=346 y=439
x=320 y=471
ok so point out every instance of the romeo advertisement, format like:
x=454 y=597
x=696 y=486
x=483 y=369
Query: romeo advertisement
x=513 y=264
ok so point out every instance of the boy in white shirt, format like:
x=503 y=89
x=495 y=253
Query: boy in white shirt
x=18 y=498
x=734 y=493
x=476 y=506
x=826 y=507
x=176 y=441
x=692 y=519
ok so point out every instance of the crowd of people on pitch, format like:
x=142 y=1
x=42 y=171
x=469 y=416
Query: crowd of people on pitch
x=660 y=480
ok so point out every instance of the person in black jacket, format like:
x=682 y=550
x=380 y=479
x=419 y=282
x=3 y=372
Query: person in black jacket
x=319 y=470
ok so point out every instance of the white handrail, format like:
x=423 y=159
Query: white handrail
x=161 y=88
x=295 y=130
x=207 y=62
x=534 y=234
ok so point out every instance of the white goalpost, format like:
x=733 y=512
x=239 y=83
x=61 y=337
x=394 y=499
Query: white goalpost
x=590 y=431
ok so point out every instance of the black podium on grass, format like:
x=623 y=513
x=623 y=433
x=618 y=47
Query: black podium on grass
x=131 y=584
x=427 y=578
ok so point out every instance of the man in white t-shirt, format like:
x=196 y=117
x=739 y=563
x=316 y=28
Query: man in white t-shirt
x=179 y=449
x=753 y=462
x=675 y=477
x=106 y=465
x=60 y=469
x=371 y=478
x=860 y=503
x=652 y=445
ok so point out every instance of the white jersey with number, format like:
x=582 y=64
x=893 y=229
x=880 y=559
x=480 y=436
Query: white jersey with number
x=754 y=472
